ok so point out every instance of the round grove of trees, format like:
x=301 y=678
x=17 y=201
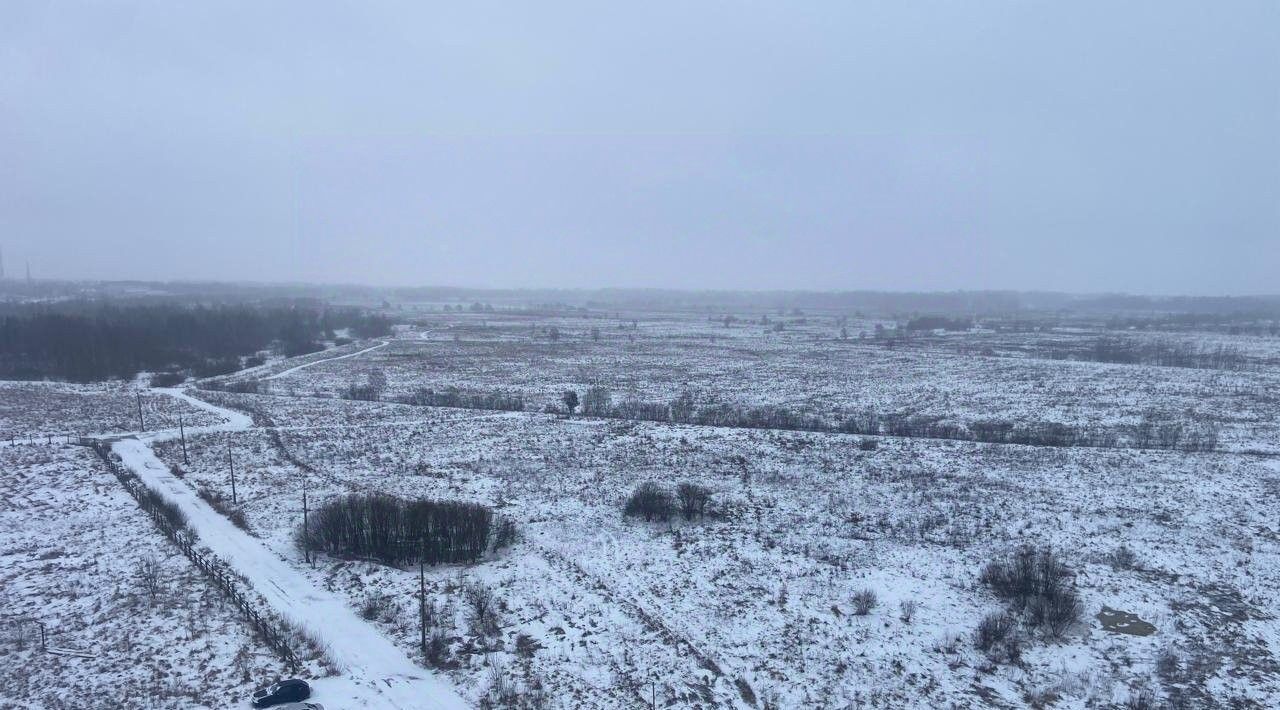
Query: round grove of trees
x=398 y=532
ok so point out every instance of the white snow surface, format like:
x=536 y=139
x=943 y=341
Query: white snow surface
x=376 y=673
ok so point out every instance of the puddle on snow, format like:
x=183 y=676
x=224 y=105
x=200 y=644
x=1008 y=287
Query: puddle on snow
x=1122 y=622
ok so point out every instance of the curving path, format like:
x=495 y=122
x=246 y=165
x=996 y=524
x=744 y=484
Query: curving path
x=376 y=673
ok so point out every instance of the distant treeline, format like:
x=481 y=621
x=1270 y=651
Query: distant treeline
x=1181 y=432
x=84 y=341
x=1164 y=352
x=1153 y=431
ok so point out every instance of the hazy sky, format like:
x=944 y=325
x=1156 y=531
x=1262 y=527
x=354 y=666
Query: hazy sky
x=1121 y=146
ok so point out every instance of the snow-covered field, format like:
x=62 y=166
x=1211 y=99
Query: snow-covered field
x=38 y=410
x=763 y=602
x=763 y=589
x=79 y=556
x=808 y=369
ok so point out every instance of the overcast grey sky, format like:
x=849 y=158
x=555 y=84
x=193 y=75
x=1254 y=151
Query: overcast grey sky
x=1081 y=146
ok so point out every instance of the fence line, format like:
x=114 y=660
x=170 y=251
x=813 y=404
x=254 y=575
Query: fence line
x=213 y=568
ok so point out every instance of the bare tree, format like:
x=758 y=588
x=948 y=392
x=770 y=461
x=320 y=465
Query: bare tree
x=149 y=573
x=483 y=606
x=693 y=500
x=570 y=399
x=597 y=400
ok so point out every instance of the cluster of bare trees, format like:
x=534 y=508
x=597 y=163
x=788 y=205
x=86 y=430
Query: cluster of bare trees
x=1157 y=351
x=652 y=501
x=1154 y=431
x=375 y=383
x=397 y=531
x=686 y=409
x=454 y=397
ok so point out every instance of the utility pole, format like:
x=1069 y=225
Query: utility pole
x=142 y=425
x=182 y=432
x=306 y=529
x=422 y=605
x=231 y=462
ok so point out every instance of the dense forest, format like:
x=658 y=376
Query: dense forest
x=83 y=341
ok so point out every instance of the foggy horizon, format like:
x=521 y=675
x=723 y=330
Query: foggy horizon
x=1079 y=149
x=581 y=356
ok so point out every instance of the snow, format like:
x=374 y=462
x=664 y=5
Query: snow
x=71 y=545
x=375 y=673
x=761 y=590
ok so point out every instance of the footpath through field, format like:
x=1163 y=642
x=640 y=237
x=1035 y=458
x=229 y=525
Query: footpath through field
x=313 y=363
x=375 y=672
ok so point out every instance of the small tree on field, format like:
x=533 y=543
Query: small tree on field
x=149 y=576
x=570 y=399
x=650 y=501
x=596 y=400
x=693 y=500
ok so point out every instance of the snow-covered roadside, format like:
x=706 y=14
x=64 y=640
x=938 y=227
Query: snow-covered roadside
x=376 y=673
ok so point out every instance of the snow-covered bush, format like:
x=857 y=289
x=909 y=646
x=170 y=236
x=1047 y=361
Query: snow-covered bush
x=994 y=629
x=864 y=601
x=693 y=500
x=650 y=501
x=1038 y=585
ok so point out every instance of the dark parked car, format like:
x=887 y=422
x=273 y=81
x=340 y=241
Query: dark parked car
x=286 y=691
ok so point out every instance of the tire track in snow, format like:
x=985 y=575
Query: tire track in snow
x=653 y=622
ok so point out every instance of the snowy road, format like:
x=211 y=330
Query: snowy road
x=304 y=366
x=376 y=673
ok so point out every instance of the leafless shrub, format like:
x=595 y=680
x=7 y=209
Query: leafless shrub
x=948 y=643
x=437 y=650
x=504 y=533
x=907 y=610
x=1036 y=583
x=224 y=508
x=993 y=630
x=150 y=576
x=1168 y=665
x=864 y=601
x=483 y=607
x=1142 y=699
x=1055 y=614
x=650 y=501
x=306 y=644
x=377 y=607
x=693 y=500
x=1123 y=558
x=504 y=693
x=526 y=645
